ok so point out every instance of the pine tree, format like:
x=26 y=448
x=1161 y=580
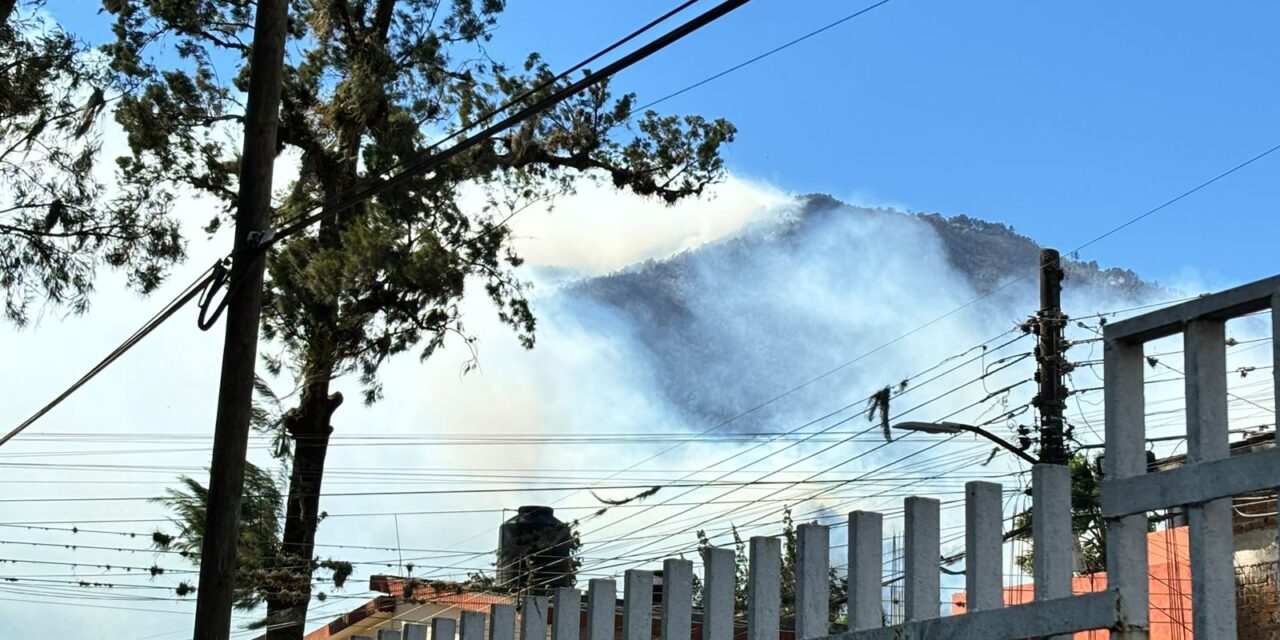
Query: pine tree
x=258 y=575
x=1086 y=518
x=58 y=222
x=367 y=84
x=838 y=587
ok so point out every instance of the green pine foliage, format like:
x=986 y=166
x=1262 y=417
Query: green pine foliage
x=368 y=86
x=838 y=587
x=1086 y=518
x=58 y=221
x=259 y=570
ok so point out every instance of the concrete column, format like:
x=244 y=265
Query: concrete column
x=568 y=613
x=923 y=551
x=1052 y=541
x=983 y=537
x=601 y=605
x=1126 y=456
x=637 y=606
x=502 y=622
x=1051 y=536
x=764 y=593
x=415 y=632
x=1275 y=385
x=1213 y=586
x=533 y=618
x=677 y=599
x=442 y=628
x=866 y=553
x=813 y=588
x=718 y=585
x=471 y=626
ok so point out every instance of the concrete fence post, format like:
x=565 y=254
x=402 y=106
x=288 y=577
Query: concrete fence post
x=533 y=618
x=812 y=588
x=1051 y=535
x=1275 y=386
x=568 y=612
x=764 y=593
x=983 y=537
x=1052 y=540
x=1126 y=456
x=677 y=599
x=719 y=584
x=923 y=552
x=637 y=605
x=1213 y=587
x=866 y=554
x=471 y=626
x=601 y=608
x=502 y=622
x=442 y=628
x=415 y=632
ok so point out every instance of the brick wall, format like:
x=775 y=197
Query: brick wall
x=1257 y=607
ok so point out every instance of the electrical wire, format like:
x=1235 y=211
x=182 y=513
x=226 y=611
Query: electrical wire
x=166 y=312
x=764 y=55
x=423 y=165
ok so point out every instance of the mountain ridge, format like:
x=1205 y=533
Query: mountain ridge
x=718 y=325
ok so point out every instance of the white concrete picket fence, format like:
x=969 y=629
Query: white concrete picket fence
x=1203 y=486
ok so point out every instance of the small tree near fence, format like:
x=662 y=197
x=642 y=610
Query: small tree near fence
x=839 y=587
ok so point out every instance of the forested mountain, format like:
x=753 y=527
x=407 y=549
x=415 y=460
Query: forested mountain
x=724 y=326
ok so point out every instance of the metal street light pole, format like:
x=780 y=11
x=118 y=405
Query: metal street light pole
x=956 y=427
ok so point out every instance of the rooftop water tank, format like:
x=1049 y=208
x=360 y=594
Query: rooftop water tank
x=534 y=551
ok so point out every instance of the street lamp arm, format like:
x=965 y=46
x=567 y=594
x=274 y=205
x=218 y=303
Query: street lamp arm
x=956 y=427
x=988 y=435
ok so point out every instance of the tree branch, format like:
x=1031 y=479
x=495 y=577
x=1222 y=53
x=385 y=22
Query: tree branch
x=382 y=19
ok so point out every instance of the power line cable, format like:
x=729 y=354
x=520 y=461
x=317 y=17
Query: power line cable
x=1178 y=198
x=724 y=423
x=511 y=103
x=764 y=55
x=217 y=274
x=666 y=535
x=354 y=494
x=166 y=312
x=428 y=163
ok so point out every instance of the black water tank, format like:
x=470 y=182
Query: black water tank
x=534 y=551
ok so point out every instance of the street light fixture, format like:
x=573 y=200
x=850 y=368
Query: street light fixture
x=956 y=427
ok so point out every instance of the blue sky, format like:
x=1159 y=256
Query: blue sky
x=1060 y=119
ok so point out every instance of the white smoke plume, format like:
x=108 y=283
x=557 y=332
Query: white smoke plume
x=655 y=324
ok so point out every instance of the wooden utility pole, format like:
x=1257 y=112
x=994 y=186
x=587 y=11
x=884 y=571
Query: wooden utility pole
x=1051 y=400
x=240 y=347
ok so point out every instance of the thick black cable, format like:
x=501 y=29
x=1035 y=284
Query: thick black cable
x=426 y=164
x=354 y=494
x=159 y=318
x=542 y=86
x=724 y=423
x=430 y=162
x=762 y=56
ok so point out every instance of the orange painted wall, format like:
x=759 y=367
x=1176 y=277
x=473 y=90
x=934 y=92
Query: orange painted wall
x=1169 y=566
